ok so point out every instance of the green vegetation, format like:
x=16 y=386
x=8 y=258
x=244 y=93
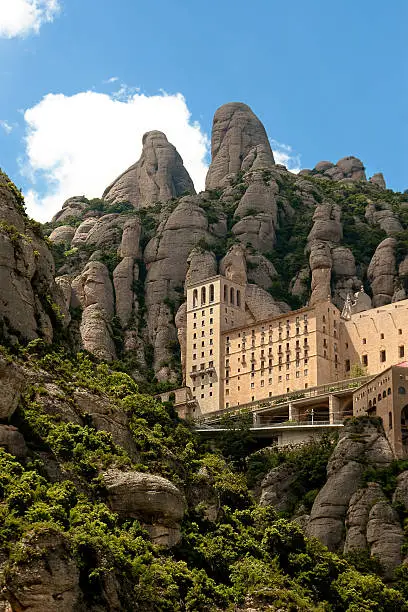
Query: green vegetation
x=244 y=553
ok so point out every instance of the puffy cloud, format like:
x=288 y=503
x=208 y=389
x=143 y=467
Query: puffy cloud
x=284 y=154
x=5 y=125
x=78 y=144
x=22 y=17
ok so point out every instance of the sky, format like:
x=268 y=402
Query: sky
x=82 y=80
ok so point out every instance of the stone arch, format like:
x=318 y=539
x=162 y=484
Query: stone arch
x=211 y=293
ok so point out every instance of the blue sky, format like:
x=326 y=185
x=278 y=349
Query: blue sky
x=327 y=79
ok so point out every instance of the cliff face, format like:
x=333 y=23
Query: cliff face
x=122 y=261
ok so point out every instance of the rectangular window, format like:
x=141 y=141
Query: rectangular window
x=287 y=376
x=383 y=356
x=364 y=360
x=270 y=381
x=226 y=391
x=297 y=374
x=262 y=383
x=401 y=351
x=280 y=379
x=347 y=365
x=305 y=373
x=252 y=385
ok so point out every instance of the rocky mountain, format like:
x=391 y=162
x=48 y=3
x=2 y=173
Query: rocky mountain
x=123 y=261
x=108 y=501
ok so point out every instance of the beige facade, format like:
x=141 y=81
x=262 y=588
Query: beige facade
x=376 y=338
x=386 y=396
x=232 y=361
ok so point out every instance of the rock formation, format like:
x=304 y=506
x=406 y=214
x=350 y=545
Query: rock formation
x=360 y=444
x=382 y=271
x=238 y=142
x=30 y=301
x=158 y=175
x=152 y=499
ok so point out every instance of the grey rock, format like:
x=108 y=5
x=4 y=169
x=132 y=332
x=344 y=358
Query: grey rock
x=13 y=441
x=378 y=179
x=158 y=175
x=152 y=499
x=125 y=275
x=72 y=208
x=357 y=516
x=12 y=384
x=233 y=265
x=44 y=578
x=62 y=234
x=83 y=230
x=382 y=271
x=276 y=488
x=400 y=496
x=237 y=134
x=201 y=265
x=385 y=537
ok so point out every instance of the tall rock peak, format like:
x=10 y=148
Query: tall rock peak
x=158 y=175
x=238 y=142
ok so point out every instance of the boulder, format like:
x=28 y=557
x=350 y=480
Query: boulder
x=62 y=234
x=357 y=516
x=378 y=179
x=276 y=488
x=83 y=230
x=96 y=333
x=385 y=537
x=400 y=496
x=233 y=265
x=12 y=384
x=12 y=441
x=130 y=243
x=151 y=499
x=125 y=275
x=361 y=443
x=106 y=232
x=202 y=264
x=72 y=208
x=46 y=577
x=382 y=271
x=237 y=134
x=158 y=175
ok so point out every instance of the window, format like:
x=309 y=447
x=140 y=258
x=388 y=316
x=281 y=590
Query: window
x=195 y=336
x=270 y=381
x=252 y=385
x=364 y=360
x=347 y=365
x=287 y=376
x=211 y=321
x=297 y=374
x=400 y=332
x=195 y=298
x=227 y=405
x=211 y=293
x=305 y=373
x=401 y=390
x=226 y=391
x=382 y=336
x=195 y=326
x=211 y=332
x=390 y=420
x=383 y=356
x=203 y=295
x=238 y=298
x=194 y=356
x=389 y=391
x=401 y=351
x=202 y=343
x=280 y=378
x=194 y=346
x=232 y=296
x=211 y=310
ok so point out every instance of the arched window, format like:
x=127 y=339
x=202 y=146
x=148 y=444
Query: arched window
x=384 y=393
x=225 y=293
x=203 y=295
x=379 y=397
x=390 y=420
x=232 y=296
x=401 y=390
x=389 y=391
x=211 y=293
x=238 y=298
x=370 y=404
x=374 y=401
x=195 y=298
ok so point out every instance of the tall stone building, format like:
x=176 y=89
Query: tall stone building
x=232 y=359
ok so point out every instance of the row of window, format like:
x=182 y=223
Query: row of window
x=233 y=296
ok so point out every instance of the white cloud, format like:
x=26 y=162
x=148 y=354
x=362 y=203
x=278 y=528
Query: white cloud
x=6 y=126
x=78 y=144
x=111 y=80
x=284 y=154
x=22 y=17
